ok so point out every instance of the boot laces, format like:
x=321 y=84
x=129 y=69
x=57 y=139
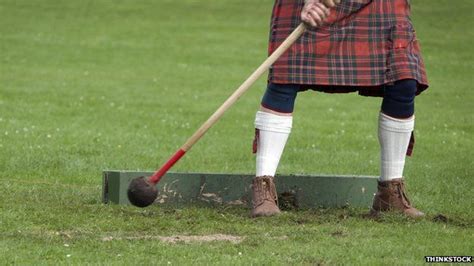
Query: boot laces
x=265 y=189
x=402 y=195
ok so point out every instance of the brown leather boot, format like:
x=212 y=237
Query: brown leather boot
x=264 y=197
x=391 y=197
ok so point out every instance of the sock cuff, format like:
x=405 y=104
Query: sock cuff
x=272 y=122
x=395 y=124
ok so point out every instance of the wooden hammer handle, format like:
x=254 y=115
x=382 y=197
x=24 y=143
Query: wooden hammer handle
x=244 y=87
x=229 y=102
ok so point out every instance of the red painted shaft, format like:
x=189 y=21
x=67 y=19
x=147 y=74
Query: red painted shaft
x=155 y=178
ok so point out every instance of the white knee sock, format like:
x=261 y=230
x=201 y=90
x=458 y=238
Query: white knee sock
x=273 y=134
x=394 y=137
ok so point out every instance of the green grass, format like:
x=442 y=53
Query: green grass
x=93 y=85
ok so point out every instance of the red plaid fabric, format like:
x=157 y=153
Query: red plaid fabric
x=365 y=44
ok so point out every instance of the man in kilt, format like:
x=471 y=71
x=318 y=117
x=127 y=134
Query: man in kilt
x=364 y=46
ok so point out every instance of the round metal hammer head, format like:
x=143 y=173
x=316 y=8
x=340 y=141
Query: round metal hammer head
x=141 y=192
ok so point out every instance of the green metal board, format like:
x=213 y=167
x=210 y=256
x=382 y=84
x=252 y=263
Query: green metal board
x=295 y=191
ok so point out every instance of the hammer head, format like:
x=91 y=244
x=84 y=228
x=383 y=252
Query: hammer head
x=141 y=192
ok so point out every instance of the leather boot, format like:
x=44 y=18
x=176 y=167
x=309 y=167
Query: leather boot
x=391 y=197
x=264 y=197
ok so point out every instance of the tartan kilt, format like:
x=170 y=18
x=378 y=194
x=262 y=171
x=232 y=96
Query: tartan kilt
x=364 y=45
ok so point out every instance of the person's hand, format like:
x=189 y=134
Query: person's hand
x=315 y=12
x=331 y=3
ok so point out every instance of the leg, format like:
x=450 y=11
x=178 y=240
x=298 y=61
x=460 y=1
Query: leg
x=273 y=125
x=396 y=123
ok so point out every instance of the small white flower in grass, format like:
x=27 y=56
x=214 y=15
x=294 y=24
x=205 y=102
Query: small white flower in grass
x=68 y=255
x=66 y=245
x=119 y=255
x=49 y=136
x=169 y=262
x=240 y=253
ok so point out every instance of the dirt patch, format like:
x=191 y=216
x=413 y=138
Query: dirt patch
x=440 y=218
x=182 y=238
x=204 y=238
x=288 y=200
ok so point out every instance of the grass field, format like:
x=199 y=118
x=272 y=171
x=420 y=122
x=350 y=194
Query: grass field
x=93 y=85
